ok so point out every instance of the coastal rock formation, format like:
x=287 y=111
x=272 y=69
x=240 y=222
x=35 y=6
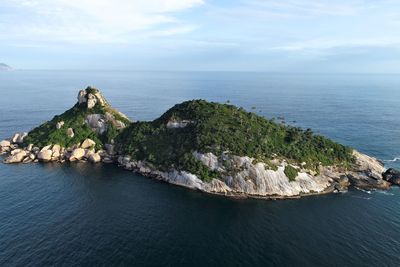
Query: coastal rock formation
x=392 y=176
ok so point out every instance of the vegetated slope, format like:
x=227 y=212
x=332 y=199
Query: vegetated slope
x=76 y=118
x=198 y=125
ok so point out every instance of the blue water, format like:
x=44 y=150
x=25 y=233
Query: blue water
x=78 y=214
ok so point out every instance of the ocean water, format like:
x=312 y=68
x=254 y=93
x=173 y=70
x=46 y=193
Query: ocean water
x=85 y=215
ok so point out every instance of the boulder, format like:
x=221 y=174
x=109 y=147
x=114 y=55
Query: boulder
x=91 y=101
x=16 y=157
x=21 y=138
x=392 y=176
x=45 y=155
x=88 y=143
x=15 y=138
x=56 y=152
x=5 y=143
x=59 y=124
x=29 y=147
x=82 y=97
x=109 y=149
x=94 y=158
x=48 y=147
x=97 y=122
x=70 y=132
x=77 y=154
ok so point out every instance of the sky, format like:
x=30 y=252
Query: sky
x=358 y=36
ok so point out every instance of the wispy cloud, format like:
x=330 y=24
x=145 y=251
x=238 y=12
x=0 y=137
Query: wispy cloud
x=91 y=20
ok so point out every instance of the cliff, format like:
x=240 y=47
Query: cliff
x=212 y=147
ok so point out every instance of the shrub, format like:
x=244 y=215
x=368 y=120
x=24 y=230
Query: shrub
x=291 y=172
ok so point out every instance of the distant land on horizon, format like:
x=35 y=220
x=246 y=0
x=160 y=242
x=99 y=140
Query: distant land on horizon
x=4 y=67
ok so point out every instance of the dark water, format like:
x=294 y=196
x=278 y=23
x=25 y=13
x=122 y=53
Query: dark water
x=78 y=214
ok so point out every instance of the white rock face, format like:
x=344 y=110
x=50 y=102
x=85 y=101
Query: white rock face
x=210 y=160
x=59 y=124
x=248 y=179
x=77 y=154
x=174 y=124
x=97 y=122
x=88 y=143
x=91 y=101
x=45 y=155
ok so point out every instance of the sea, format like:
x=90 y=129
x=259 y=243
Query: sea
x=100 y=215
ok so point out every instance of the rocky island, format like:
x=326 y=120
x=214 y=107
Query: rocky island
x=211 y=147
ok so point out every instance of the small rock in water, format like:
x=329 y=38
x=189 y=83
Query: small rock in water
x=392 y=176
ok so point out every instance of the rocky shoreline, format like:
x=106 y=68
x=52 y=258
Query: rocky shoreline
x=249 y=180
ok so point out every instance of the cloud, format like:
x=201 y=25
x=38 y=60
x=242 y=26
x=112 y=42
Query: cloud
x=91 y=20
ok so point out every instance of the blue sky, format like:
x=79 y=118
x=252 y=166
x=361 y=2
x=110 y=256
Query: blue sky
x=252 y=35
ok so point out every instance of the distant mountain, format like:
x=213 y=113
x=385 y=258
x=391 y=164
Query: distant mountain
x=4 y=67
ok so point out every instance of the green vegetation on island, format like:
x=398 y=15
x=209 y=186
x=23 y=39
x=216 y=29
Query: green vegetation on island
x=222 y=128
x=193 y=126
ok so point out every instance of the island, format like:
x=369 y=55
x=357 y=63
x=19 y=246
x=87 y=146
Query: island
x=5 y=67
x=211 y=147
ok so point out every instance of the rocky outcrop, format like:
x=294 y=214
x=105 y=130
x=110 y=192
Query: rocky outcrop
x=90 y=97
x=367 y=173
x=392 y=176
x=174 y=124
x=99 y=123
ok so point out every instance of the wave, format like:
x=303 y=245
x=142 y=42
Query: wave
x=392 y=160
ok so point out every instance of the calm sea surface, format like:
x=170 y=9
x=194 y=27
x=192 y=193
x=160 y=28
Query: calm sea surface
x=85 y=215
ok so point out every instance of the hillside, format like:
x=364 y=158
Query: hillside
x=91 y=117
x=201 y=126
